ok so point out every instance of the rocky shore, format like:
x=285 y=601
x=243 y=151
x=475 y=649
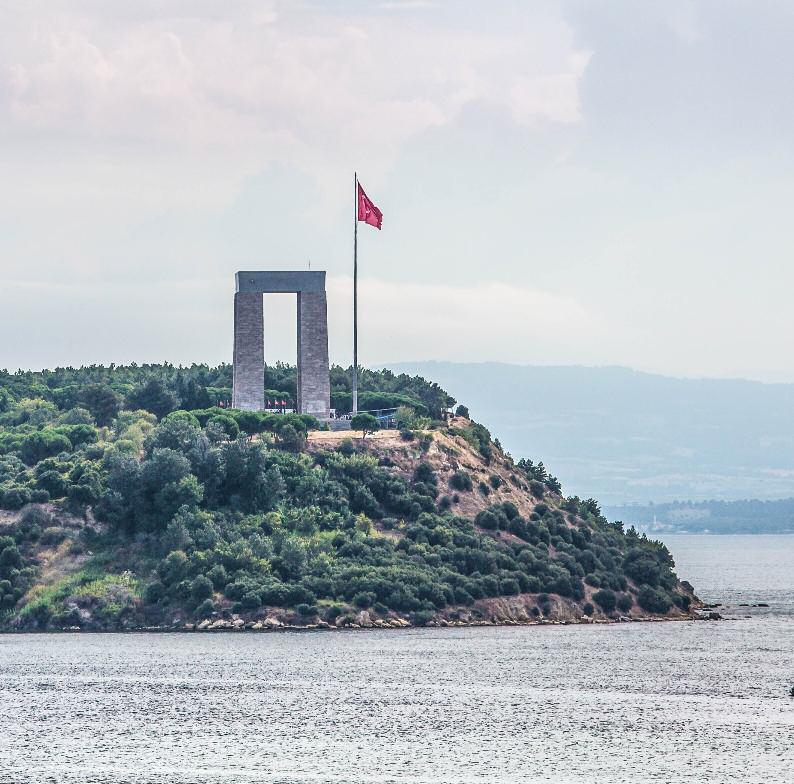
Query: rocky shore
x=364 y=620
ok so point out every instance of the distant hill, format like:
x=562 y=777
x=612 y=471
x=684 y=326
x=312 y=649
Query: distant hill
x=628 y=437
x=714 y=517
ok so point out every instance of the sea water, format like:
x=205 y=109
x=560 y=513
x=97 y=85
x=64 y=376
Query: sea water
x=638 y=702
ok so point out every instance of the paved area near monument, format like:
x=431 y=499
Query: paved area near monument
x=337 y=436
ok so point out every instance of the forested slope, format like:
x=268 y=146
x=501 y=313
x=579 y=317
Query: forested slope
x=122 y=511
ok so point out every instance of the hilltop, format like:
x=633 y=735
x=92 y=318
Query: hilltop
x=215 y=518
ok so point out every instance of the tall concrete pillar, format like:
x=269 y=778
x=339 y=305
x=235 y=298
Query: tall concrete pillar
x=314 y=383
x=248 y=387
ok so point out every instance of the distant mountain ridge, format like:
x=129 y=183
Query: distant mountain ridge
x=624 y=436
x=716 y=517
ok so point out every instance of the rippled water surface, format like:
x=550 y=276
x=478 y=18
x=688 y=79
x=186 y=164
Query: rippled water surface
x=656 y=702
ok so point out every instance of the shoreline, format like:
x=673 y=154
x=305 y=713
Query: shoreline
x=234 y=626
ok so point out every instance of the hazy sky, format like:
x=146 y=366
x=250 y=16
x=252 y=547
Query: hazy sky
x=573 y=182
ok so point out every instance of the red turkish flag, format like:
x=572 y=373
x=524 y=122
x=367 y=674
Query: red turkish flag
x=367 y=211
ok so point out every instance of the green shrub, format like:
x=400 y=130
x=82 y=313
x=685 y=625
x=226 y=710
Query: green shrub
x=53 y=483
x=625 y=602
x=201 y=588
x=653 y=600
x=42 y=444
x=641 y=565
x=460 y=480
x=588 y=609
x=422 y=617
x=487 y=519
x=227 y=424
x=606 y=600
x=424 y=473
x=153 y=592
x=205 y=608
x=53 y=535
x=509 y=587
x=290 y=439
x=15 y=497
x=332 y=612
x=218 y=576
x=365 y=423
x=347 y=447
x=364 y=599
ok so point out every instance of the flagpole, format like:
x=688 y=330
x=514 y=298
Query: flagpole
x=355 y=292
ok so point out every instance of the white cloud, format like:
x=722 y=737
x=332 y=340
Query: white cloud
x=295 y=81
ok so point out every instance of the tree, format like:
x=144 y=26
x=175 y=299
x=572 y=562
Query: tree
x=86 y=485
x=625 y=602
x=290 y=438
x=366 y=423
x=460 y=480
x=293 y=558
x=462 y=411
x=641 y=566
x=606 y=600
x=653 y=600
x=194 y=396
x=229 y=425
x=250 y=422
x=201 y=588
x=154 y=396
x=405 y=416
x=43 y=443
x=103 y=403
x=179 y=431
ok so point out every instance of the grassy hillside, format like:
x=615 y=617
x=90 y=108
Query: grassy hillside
x=115 y=519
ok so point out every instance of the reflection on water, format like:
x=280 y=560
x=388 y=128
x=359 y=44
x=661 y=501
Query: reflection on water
x=658 y=702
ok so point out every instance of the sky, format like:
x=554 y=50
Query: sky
x=562 y=182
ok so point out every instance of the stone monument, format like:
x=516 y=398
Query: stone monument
x=314 y=379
